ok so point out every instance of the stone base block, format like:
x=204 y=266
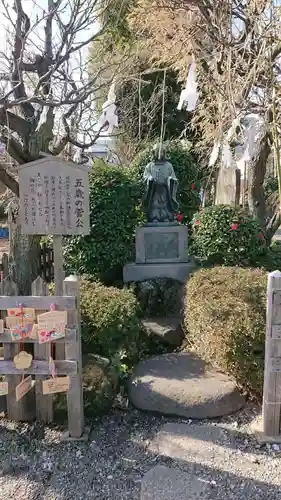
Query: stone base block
x=179 y=271
x=161 y=243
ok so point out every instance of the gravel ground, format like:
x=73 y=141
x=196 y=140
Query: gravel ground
x=35 y=465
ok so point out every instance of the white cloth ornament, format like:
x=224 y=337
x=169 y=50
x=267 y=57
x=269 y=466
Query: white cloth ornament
x=108 y=113
x=189 y=95
x=214 y=154
x=226 y=156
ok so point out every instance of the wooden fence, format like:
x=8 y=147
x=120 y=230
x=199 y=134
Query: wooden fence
x=46 y=264
x=68 y=359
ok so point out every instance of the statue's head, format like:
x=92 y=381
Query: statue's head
x=158 y=152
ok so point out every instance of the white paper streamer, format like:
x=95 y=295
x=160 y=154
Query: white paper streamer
x=108 y=113
x=227 y=158
x=189 y=95
x=214 y=154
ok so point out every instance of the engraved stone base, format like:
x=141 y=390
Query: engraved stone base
x=179 y=271
x=161 y=243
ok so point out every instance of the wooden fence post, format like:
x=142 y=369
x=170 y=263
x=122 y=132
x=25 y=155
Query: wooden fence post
x=272 y=368
x=24 y=409
x=73 y=351
x=44 y=403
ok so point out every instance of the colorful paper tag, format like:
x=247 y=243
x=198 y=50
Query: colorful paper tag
x=3 y=388
x=23 y=388
x=51 y=326
x=57 y=384
x=23 y=360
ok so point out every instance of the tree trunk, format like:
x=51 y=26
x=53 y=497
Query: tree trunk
x=24 y=258
x=256 y=175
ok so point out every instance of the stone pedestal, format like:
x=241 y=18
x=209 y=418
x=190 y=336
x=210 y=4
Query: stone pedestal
x=161 y=243
x=161 y=252
x=142 y=272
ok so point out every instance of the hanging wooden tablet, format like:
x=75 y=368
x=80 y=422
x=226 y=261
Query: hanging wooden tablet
x=51 y=325
x=1 y=326
x=22 y=312
x=57 y=384
x=23 y=360
x=20 y=328
x=24 y=387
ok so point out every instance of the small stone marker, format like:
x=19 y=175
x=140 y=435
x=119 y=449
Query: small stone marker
x=24 y=387
x=163 y=483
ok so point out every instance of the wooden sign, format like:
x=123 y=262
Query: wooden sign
x=23 y=360
x=51 y=326
x=25 y=312
x=3 y=388
x=23 y=388
x=57 y=384
x=1 y=326
x=54 y=197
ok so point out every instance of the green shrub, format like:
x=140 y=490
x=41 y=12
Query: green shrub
x=224 y=234
x=225 y=318
x=114 y=215
x=184 y=162
x=272 y=260
x=110 y=321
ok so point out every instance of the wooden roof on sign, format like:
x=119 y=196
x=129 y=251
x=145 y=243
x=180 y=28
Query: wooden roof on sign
x=47 y=158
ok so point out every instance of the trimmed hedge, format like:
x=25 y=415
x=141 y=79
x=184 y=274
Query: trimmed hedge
x=111 y=320
x=225 y=318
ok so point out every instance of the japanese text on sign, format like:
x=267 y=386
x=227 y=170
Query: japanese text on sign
x=54 y=199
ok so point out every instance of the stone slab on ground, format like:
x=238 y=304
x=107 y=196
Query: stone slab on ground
x=167 y=329
x=197 y=443
x=163 y=483
x=181 y=384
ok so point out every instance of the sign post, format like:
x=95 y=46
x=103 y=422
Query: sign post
x=272 y=366
x=54 y=199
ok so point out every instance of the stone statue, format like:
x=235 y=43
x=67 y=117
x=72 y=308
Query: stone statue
x=160 y=201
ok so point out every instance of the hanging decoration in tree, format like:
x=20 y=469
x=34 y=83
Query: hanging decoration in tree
x=189 y=95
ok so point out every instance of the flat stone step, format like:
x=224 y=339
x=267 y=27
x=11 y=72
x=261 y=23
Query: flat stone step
x=163 y=483
x=167 y=329
x=181 y=384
